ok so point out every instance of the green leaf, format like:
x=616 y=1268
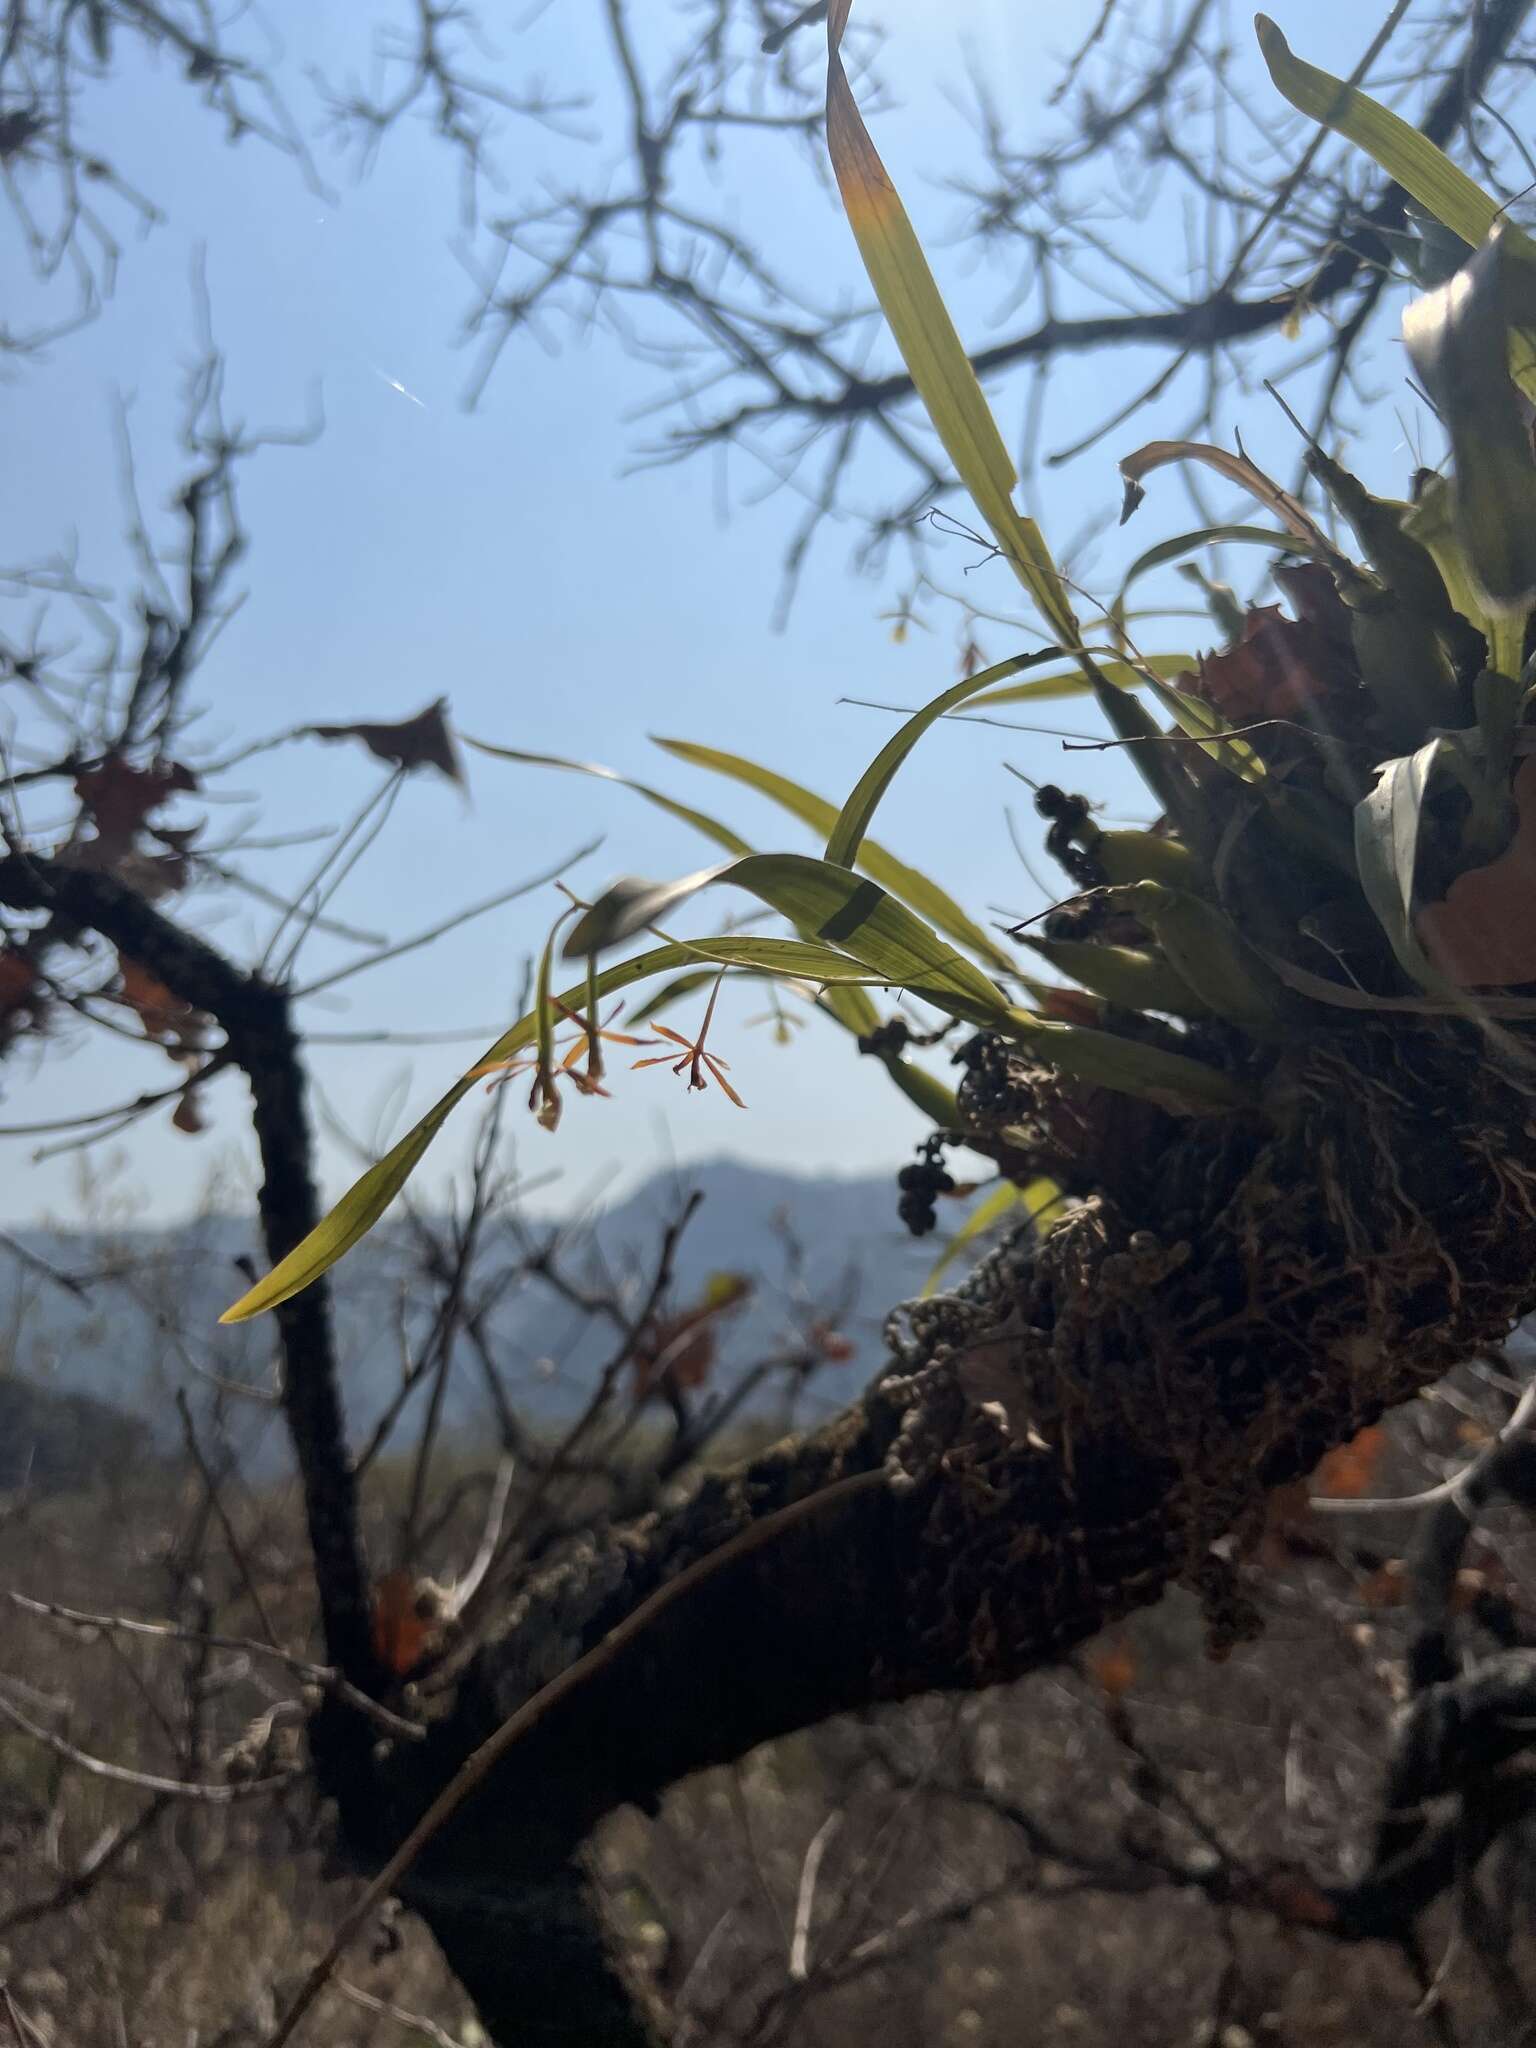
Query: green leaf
x=842 y=909
x=1205 y=723
x=358 y=1210
x=1037 y=1200
x=847 y=834
x=1387 y=826
x=858 y=917
x=1122 y=975
x=929 y=345
x=1411 y=159
x=701 y=821
x=1404 y=665
x=1208 y=952
x=1429 y=252
x=1131 y=856
x=1345 y=996
x=1156 y=763
x=1459 y=341
x=1125 y=675
x=1179 y=1084
x=1498 y=700
x=1432 y=520
x=913 y=887
x=1203 y=537
x=677 y=990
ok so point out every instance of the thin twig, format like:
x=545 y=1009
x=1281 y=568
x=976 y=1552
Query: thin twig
x=416 y=2020
x=168 y=1631
x=1448 y=1489
x=496 y=1746
x=805 y=1898
x=216 y=1502
x=93 y=1868
x=146 y=1781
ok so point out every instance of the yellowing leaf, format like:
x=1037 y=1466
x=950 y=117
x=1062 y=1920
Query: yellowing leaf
x=929 y=345
x=847 y=835
x=920 y=891
x=1035 y=1204
x=1124 y=675
x=842 y=909
x=1410 y=158
x=362 y=1206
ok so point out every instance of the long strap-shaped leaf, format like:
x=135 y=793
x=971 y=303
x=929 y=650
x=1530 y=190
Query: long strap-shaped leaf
x=1039 y=1197
x=1408 y=157
x=851 y=1007
x=838 y=907
x=847 y=1002
x=1071 y=682
x=858 y=917
x=847 y=835
x=362 y=1206
x=915 y=889
x=929 y=345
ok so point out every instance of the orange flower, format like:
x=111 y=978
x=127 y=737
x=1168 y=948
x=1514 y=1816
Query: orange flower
x=695 y=1058
x=587 y=1039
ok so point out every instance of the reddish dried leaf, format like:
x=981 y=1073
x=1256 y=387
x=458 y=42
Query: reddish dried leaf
x=120 y=797
x=1349 y=1473
x=1297 y=1900
x=18 y=981
x=831 y=1344
x=161 y=1012
x=1071 y=1006
x=1113 y=1667
x=679 y=1350
x=400 y=1630
x=1279 y=669
x=1290 y=1532
x=22 y=1001
x=676 y=1351
x=1484 y=933
x=1315 y=599
x=188 y=1115
x=424 y=741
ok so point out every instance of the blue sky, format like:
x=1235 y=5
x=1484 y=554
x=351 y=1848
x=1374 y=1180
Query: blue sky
x=502 y=559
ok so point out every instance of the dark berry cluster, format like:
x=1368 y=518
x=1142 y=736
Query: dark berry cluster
x=921 y=1184
x=1070 y=824
x=891 y=1037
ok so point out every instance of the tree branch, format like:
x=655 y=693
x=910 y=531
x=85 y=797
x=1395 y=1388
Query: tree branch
x=254 y=1016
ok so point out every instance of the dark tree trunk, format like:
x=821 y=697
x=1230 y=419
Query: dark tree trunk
x=1082 y=1425
x=1088 y=1419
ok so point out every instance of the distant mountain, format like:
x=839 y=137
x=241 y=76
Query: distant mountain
x=147 y=1321
x=52 y=1439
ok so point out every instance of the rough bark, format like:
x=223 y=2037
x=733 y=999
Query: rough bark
x=569 y=1969
x=1087 y=1420
x=1083 y=1425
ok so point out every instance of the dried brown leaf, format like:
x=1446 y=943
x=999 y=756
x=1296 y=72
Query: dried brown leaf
x=424 y=741
x=1483 y=935
x=119 y=798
